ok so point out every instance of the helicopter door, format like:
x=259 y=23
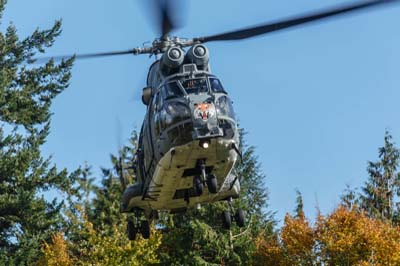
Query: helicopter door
x=148 y=141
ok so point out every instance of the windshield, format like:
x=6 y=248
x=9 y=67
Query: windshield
x=171 y=90
x=216 y=85
x=195 y=86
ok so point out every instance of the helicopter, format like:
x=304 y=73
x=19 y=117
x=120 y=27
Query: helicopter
x=189 y=140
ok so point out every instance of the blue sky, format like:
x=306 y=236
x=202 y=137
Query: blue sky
x=315 y=101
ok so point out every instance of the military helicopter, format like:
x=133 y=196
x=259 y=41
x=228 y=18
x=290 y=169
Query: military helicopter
x=189 y=140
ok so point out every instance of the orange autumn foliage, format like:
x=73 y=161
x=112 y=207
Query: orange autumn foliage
x=349 y=237
x=269 y=252
x=298 y=240
x=344 y=237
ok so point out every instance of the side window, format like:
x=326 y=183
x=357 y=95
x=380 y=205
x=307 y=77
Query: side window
x=155 y=115
x=154 y=104
x=216 y=85
x=224 y=107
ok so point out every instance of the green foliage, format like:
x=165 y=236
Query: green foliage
x=299 y=205
x=26 y=93
x=379 y=193
x=350 y=198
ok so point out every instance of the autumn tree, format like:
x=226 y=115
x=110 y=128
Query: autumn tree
x=293 y=245
x=379 y=193
x=349 y=237
x=27 y=218
x=343 y=237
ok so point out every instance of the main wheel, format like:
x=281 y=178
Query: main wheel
x=145 y=229
x=226 y=219
x=131 y=230
x=239 y=218
x=212 y=184
x=198 y=186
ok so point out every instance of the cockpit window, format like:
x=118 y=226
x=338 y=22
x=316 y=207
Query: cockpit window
x=195 y=86
x=171 y=90
x=224 y=107
x=216 y=85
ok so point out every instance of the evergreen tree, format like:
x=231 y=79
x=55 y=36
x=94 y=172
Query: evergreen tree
x=26 y=93
x=379 y=193
x=105 y=207
x=299 y=211
x=349 y=198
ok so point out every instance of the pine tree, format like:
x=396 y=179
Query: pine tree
x=105 y=207
x=26 y=93
x=299 y=211
x=349 y=198
x=379 y=193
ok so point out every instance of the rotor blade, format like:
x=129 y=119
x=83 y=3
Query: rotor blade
x=165 y=14
x=166 y=22
x=84 y=56
x=291 y=22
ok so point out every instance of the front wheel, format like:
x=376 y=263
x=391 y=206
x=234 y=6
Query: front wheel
x=239 y=218
x=226 y=219
x=212 y=184
x=198 y=186
x=145 y=229
x=131 y=230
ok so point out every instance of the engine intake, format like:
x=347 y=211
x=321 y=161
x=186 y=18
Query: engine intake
x=199 y=55
x=171 y=60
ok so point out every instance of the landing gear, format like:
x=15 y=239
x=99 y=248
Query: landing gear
x=131 y=230
x=145 y=229
x=210 y=180
x=198 y=185
x=226 y=219
x=137 y=225
x=239 y=217
x=212 y=184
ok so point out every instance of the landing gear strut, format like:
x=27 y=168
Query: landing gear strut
x=210 y=180
x=212 y=184
x=198 y=185
x=135 y=225
x=145 y=229
x=227 y=216
x=131 y=230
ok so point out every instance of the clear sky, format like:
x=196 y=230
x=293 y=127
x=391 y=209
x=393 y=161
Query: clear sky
x=315 y=101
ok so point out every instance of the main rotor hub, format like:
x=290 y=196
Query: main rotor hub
x=161 y=45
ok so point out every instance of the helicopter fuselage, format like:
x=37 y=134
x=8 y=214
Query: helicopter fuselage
x=189 y=131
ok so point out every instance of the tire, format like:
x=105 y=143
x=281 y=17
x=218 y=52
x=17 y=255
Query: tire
x=145 y=229
x=226 y=220
x=239 y=218
x=131 y=230
x=212 y=184
x=198 y=186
